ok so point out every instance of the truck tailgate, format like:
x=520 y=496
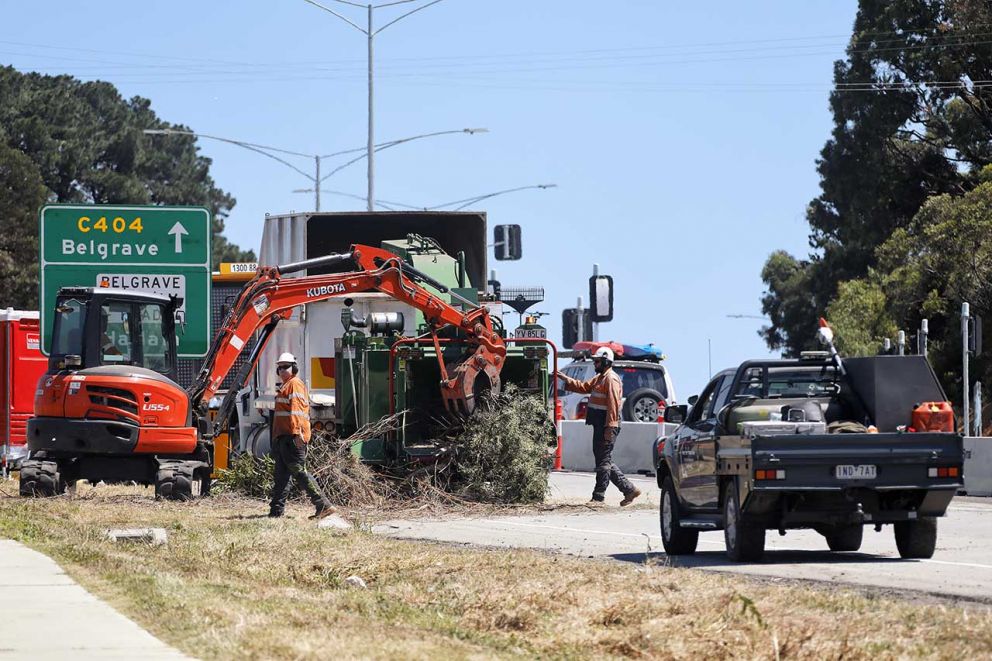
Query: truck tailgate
x=880 y=461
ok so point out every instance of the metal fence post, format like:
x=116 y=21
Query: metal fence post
x=977 y=426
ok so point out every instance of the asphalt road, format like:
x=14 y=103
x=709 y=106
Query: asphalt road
x=961 y=567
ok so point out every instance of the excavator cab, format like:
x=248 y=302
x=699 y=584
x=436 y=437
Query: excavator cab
x=96 y=327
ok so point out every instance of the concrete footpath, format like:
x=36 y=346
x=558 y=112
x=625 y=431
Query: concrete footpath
x=44 y=614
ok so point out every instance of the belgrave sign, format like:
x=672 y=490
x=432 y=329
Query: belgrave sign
x=165 y=250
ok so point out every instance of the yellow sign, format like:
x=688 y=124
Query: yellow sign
x=229 y=268
x=322 y=373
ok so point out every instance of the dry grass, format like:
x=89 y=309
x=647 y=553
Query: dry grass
x=233 y=584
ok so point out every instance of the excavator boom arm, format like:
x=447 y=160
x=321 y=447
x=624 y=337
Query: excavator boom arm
x=270 y=297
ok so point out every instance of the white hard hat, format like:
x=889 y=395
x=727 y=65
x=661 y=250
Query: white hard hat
x=286 y=357
x=605 y=353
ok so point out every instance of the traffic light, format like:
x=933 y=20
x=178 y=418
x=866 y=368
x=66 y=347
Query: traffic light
x=570 y=327
x=506 y=239
x=601 y=298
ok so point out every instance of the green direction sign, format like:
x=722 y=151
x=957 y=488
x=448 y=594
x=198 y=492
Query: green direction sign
x=160 y=249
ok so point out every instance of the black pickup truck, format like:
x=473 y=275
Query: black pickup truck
x=780 y=444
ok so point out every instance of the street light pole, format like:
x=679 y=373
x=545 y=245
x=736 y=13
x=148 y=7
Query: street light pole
x=316 y=186
x=316 y=178
x=371 y=140
x=370 y=33
x=461 y=204
x=389 y=206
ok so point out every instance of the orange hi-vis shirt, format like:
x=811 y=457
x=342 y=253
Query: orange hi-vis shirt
x=605 y=393
x=292 y=414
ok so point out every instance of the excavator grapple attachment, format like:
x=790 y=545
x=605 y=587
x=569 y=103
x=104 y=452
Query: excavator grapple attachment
x=469 y=381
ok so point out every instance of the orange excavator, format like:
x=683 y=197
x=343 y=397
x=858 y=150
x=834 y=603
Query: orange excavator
x=109 y=407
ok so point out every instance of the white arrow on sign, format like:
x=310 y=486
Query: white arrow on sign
x=179 y=231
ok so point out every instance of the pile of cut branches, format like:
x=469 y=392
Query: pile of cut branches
x=500 y=454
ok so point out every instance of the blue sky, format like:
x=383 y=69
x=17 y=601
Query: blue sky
x=682 y=136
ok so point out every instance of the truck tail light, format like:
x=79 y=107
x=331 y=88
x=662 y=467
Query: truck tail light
x=580 y=410
x=661 y=410
x=769 y=474
x=944 y=471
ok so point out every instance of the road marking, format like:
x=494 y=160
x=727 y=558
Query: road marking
x=593 y=532
x=580 y=530
x=704 y=541
x=958 y=564
x=979 y=510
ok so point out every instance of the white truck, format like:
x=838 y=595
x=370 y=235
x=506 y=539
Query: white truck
x=312 y=330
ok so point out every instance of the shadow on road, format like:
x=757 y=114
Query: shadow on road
x=708 y=559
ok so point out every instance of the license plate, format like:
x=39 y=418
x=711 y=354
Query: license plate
x=531 y=333
x=859 y=472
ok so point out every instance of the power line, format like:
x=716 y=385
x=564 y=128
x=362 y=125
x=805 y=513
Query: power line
x=545 y=58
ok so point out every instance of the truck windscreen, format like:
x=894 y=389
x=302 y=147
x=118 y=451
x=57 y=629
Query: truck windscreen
x=765 y=382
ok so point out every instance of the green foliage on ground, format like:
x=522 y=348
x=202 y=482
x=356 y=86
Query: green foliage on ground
x=247 y=475
x=502 y=452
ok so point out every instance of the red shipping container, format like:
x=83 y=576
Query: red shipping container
x=21 y=367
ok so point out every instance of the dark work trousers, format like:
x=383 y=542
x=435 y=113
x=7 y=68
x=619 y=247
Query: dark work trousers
x=606 y=470
x=290 y=463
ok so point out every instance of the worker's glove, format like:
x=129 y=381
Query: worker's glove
x=299 y=442
x=610 y=434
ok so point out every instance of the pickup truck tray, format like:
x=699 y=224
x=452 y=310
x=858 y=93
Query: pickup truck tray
x=901 y=484
x=810 y=460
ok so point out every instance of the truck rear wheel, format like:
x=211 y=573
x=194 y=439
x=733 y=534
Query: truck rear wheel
x=676 y=539
x=745 y=541
x=845 y=538
x=916 y=539
x=40 y=479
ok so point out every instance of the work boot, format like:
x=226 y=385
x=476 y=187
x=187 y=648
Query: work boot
x=274 y=514
x=324 y=510
x=629 y=497
x=597 y=501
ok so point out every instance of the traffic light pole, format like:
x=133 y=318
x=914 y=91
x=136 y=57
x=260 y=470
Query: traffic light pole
x=595 y=326
x=580 y=321
x=965 y=315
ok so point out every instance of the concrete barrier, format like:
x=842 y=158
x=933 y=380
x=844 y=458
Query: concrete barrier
x=633 y=452
x=978 y=465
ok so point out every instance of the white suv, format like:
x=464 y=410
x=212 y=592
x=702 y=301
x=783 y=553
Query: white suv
x=647 y=390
